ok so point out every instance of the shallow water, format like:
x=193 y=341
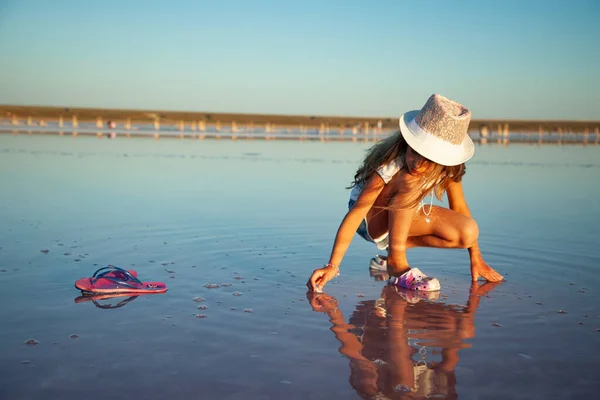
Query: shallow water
x=261 y=216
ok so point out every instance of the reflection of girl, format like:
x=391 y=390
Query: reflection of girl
x=386 y=207
x=391 y=343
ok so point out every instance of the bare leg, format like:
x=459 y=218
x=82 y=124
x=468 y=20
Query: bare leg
x=445 y=228
x=442 y=228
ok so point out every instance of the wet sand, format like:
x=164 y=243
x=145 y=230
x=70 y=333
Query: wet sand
x=255 y=218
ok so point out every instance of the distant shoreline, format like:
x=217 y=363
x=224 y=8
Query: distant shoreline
x=127 y=117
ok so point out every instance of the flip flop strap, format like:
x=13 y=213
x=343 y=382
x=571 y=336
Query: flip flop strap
x=110 y=268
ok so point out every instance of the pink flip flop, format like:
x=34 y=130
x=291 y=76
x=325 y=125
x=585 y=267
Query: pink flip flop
x=111 y=279
x=414 y=279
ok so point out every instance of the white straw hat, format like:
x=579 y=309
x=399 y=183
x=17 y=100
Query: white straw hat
x=438 y=131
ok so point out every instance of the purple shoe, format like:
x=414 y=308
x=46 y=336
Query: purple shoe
x=414 y=279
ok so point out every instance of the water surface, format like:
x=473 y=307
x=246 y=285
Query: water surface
x=260 y=216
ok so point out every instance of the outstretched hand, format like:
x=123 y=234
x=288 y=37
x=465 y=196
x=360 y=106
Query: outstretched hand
x=320 y=277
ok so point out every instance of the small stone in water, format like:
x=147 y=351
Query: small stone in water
x=198 y=299
x=169 y=271
x=237 y=294
x=226 y=284
x=211 y=286
x=202 y=307
x=233 y=308
x=66 y=254
x=74 y=336
x=561 y=312
x=248 y=310
x=31 y=342
x=45 y=251
x=497 y=325
x=238 y=277
x=538 y=303
x=201 y=315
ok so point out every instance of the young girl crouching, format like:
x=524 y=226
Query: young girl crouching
x=387 y=203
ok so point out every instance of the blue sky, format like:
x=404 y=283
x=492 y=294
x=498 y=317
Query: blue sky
x=502 y=59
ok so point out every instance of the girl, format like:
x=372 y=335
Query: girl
x=387 y=207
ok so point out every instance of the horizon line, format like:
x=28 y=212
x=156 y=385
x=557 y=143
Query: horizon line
x=69 y=109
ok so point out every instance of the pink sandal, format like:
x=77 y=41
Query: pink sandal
x=414 y=279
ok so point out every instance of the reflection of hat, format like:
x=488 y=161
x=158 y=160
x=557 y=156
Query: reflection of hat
x=439 y=131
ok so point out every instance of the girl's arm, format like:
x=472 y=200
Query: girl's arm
x=354 y=217
x=346 y=231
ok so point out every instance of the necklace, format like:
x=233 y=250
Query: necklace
x=427 y=219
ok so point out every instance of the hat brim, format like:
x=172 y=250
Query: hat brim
x=431 y=146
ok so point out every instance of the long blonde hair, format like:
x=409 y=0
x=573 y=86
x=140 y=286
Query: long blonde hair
x=434 y=176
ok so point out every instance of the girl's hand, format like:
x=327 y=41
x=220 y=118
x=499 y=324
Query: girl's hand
x=481 y=269
x=321 y=276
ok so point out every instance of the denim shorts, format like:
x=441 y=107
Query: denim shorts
x=363 y=231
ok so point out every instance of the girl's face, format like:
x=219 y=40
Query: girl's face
x=416 y=161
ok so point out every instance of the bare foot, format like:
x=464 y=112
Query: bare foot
x=396 y=267
x=480 y=269
x=393 y=271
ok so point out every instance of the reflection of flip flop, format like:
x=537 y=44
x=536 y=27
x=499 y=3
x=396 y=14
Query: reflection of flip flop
x=95 y=298
x=117 y=280
x=414 y=296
